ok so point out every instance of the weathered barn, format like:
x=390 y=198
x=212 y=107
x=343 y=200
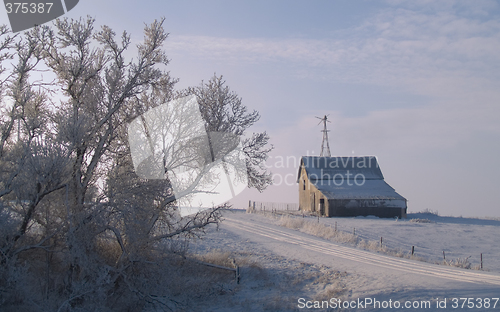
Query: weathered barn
x=347 y=186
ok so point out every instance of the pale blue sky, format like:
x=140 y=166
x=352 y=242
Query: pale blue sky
x=416 y=83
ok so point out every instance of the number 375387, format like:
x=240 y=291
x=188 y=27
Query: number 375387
x=26 y=8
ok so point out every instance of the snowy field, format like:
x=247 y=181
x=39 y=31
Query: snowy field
x=459 y=238
x=281 y=265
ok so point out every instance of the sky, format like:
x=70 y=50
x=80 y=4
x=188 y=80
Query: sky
x=415 y=83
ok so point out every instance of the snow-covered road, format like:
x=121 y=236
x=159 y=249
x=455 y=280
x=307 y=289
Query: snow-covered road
x=362 y=257
x=371 y=274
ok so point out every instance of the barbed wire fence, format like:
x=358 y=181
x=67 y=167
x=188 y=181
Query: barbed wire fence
x=257 y=206
x=384 y=244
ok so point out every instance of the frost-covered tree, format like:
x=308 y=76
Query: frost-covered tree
x=79 y=229
x=223 y=111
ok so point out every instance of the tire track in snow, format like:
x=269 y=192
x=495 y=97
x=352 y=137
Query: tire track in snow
x=362 y=256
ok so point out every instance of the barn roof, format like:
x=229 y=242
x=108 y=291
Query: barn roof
x=321 y=168
x=347 y=177
x=369 y=189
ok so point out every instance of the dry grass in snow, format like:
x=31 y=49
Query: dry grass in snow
x=271 y=283
x=327 y=232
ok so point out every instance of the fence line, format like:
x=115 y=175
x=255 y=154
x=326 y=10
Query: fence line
x=429 y=254
x=448 y=255
x=270 y=206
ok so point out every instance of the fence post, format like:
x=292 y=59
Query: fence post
x=237 y=274
x=412 y=250
x=481 y=261
x=380 y=241
x=444 y=255
x=354 y=231
x=236 y=271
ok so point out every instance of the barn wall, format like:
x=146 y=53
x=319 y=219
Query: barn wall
x=303 y=192
x=310 y=197
x=394 y=203
x=344 y=208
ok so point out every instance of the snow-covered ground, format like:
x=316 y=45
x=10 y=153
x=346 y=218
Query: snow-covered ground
x=459 y=238
x=281 y=265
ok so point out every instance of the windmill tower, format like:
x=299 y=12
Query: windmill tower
x=325 y=146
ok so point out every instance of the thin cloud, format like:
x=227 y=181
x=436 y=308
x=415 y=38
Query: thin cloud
x=396 y=47
x=446 y=53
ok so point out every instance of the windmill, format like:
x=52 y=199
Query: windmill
x=325 y=146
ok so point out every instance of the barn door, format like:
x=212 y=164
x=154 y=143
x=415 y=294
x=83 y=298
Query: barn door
x=322 y=206
x=313 y=202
